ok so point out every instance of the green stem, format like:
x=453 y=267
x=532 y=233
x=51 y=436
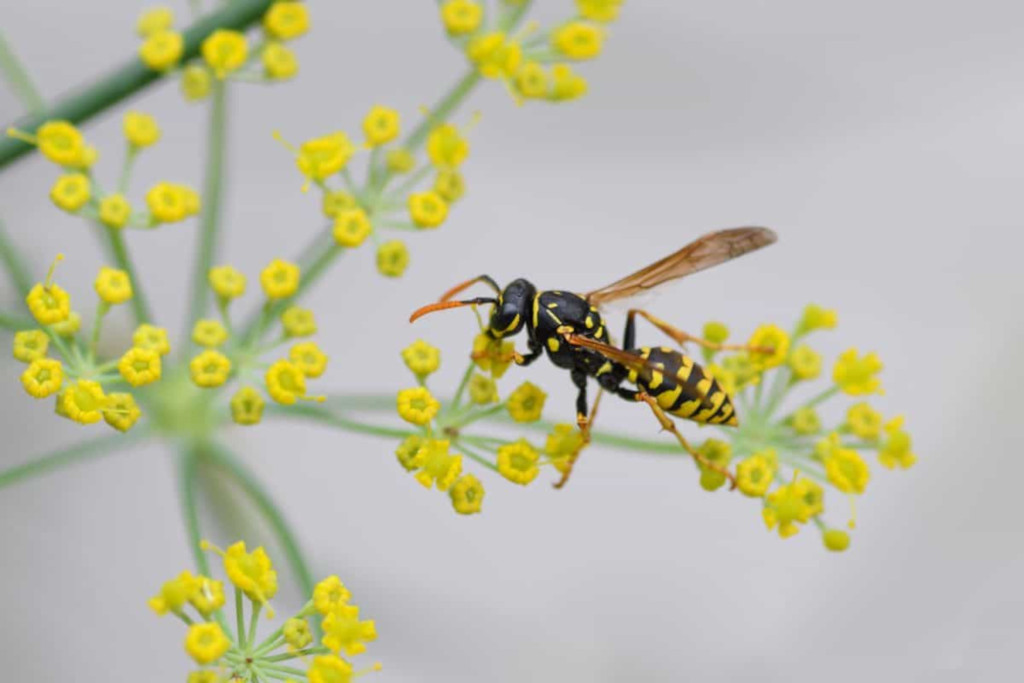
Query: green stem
x=132 y=76
x=253 y=623
x=209 y=221
x=186 y=485
x=80 y=452
x=15 y=322
x=442 y=109
x=14 y=262
x=457 y=399
x=119 y=250
x=240 y=618
x=320 y=414
x=254 y=489
x=21 y=83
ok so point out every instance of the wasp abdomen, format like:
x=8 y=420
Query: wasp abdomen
x=683 y=388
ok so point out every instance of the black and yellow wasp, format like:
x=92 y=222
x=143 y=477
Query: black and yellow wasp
x=570 y=328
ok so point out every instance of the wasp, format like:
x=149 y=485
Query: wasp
x=570 y=329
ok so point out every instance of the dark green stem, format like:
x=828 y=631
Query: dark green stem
x=21 y=82
x=129 y=78
x=14 y=262
x=15 y=322
x=209 y=221
x=81 y=452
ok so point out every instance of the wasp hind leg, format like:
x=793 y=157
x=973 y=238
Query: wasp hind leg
x=669 y=425
x=583 y=422
x=679 y=336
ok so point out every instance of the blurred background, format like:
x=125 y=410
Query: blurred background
x=882 y=140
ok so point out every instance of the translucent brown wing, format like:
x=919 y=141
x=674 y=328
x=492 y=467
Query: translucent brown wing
x=704 y=252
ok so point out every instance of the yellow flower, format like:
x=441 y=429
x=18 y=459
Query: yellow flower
x=210 y=369
x=427 y=209
x=461 y=16
x=447 y=147
x=844 y=467
x=286 y=383
x=482 y=389
x=225 y=51
x=399 y=160
x=279 y=62
x=450 y=185
x=526 y=402
x=856 y=376
x=247 y=406
x=84 y=401
x=48 y=303
x=492 y=354
x=170 y=203
x=805 y=363
x=297 y=633
x=816 y=318
x=140 y=366
x=115 y=210
x=786 y=507
x=308 y=357
x=204 y=676
x=113 y=285
x=437 y=466
x=599 y=10
x=60 y=142
x=407 y=450
x=864 y=421
x=769 y=337
x=336 y=201
x=298 y=322
x=467 y=495
x=71 y=192
x=174 y=594
x=754 y=473
x=344 y=631
x=566 y=84
x=577 y=40
x=207 y=595
x=151 y=337
x=162 y=50
x=715 y=332
x=43 y=377
x=718 y=453
x=896 y=449
x=324 y=156
x=562 y=443
x=206 y=643
x=805 y=421
x=517 y=462
x=30 y=345
x=122 y=412
x=329 y=669
x=252 y=573
x=494 y=55
x=531 y=80
x=154 y=20
x=141 y=130
x=280 y=279
x=381 y=125
x=68 y=327
x=417 y=405
x=351 y=227
x=286 y=20
x=392 y=258
x=422 y=358
x=195 y=82
x=227 y=282
x=329 y=595
x=209 y=333
x=836 y=540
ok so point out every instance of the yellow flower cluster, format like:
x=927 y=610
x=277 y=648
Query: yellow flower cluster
x=225 y=53
x=533 y=63
x=78 y=378
x=360 y=212
x=224 y=654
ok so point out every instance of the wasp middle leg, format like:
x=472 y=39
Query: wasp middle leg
x=584 y=422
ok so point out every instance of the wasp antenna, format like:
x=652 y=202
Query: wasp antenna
x=443 y=305
x=486 y=279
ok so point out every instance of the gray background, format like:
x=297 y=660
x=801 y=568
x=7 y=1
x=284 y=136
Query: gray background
x=883 y=140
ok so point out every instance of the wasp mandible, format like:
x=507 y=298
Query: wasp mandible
x=570 y=329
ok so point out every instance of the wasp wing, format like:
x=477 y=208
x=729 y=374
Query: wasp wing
x=704 y=252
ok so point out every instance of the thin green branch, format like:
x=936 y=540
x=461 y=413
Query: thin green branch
x=14 y=262
x=80 y=452
x=119 y=251
x=187 y=471
x=317 y=413
x=17 y=76
x=209 y=221
x=442 y=109
x=15 y=322
x=132 y=76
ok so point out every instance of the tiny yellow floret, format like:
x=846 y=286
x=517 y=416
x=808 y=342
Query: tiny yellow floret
x=482 y=389
x=209 y=333
x=495 y=55
x=298 y=322
x=461 y=16
x=297 y=633
x=857 y=376
x=577 y=40
x=836 y=540
x=162 y=50
x=84 y=401
x=526 y=403
x=765 y=338
x=896 y=449
x=279 y=62
x=280 y=279
x=151 y=337
x=140 y=366
x=247 y=406
x=816 y=318
x=422 y=358
x=286 y=383
x=115 y=210
x=447 y=147
x=417 y=406
x=467 y=495
x=351 y=227
x=113 y=285
x=154 y=20
x=30 y=345
x=805 y=363
x=308 y=358
x=518 y=462
x=343 y=631
x=252 y=573
x=330 y=594
x=196 y=82
x=329 y=669
x=427 y=209
x=141 y=130
x=122 y=412
x=210 y=369
x=43 y=377
x=754 y=474
x=392 y=258
x=225 y=51
x=286 y=20
x=227 y=282
x=381 y=125
x=206 y=643
x=71 y=192
x=603 y=11
x=437 y=467
x=864 y=421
